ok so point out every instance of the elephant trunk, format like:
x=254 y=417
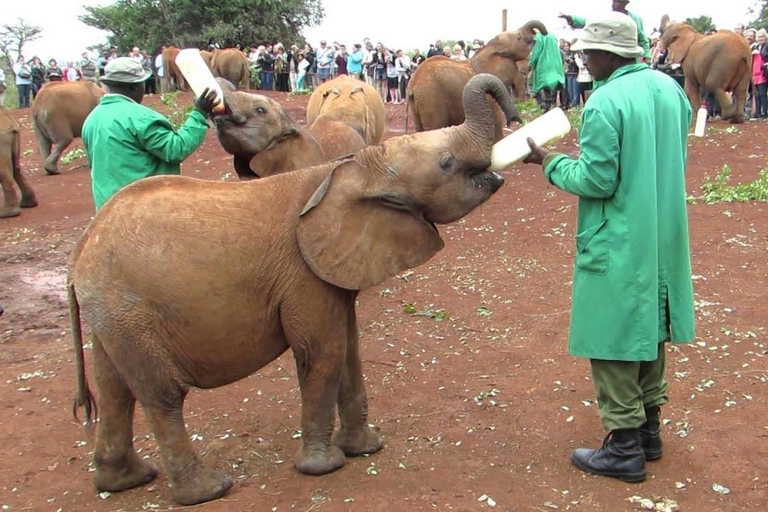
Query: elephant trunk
x=477 y=111
x=534 y=24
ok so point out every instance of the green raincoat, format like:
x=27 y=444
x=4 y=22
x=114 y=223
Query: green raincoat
x=632 y=283
x=126 y=141
x=546 y=62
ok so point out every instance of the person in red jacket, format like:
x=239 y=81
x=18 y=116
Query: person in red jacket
x=71 y=73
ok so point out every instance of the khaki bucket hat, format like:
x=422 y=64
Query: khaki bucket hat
x=125 y=70
x=613 y=32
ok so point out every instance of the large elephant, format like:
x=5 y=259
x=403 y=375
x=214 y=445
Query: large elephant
x=232 y=65
x=434 y=91
x=207 y=57
x=718 y=63
x=17 y=193
x=58 y=114
x=172 y=71
x=265 y=140
x=163 y=321
x=352 y=101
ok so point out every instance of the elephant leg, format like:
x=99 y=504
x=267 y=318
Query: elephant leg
x=355 y=437
x=319 y=375
x=52 y=162
x=11 y=195
x=192 y=482
x=118 y=467
x=28 y=198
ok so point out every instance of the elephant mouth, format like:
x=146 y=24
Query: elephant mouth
x=487 y=180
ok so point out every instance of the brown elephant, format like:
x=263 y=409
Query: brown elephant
x=207 y=56
x=17 y=193
x=265 y=140
x=172 y=71
x=58 y=114
x=434 y=91
x=232 y=65
x=163 y=322
x=352 y=101
x=718 y=63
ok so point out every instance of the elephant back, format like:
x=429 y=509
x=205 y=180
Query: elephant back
x=353 y=102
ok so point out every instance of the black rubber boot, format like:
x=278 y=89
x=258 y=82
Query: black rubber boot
x=650 y=434
x=621 y=456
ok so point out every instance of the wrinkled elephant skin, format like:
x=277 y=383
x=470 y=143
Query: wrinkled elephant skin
x=277 y=265
x=17 y=193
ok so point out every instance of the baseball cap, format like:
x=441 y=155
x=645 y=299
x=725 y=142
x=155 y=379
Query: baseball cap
x=125 y=70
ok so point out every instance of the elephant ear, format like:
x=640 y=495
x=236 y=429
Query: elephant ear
x=679 y=46
x=354 y=240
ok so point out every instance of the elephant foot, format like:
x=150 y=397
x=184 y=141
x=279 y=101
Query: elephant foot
x=203 y=485
x=365 y=440
x=28 y=202
x=115 y=477
x=319 y=463
x=10 y=212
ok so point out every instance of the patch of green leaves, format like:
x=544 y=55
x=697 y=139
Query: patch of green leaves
x=27 y=152
x=71 y=156
x=484 y=311
x=718 y=189
x=178 y=113
x=438 y=315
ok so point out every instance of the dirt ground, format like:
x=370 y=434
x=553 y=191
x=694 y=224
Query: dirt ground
x=476 y=395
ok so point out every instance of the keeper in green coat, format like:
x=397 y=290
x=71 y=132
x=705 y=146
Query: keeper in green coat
x=616 y=6
x=546 y=61
x=126 y=141
x=632 y=288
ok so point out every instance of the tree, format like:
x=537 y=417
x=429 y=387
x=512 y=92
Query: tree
x=760 y=9
x=702 y=24
x=14 y=37
x=191 y=23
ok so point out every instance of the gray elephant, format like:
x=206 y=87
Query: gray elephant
x=290 y=253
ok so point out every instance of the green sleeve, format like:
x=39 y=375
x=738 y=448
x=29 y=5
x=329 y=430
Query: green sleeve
x=578 y=22
x=538 y=48
x=595 y=174
x=169 y=146
x=642 y=37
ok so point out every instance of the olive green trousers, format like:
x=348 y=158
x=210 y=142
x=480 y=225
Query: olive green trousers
x=626 y=388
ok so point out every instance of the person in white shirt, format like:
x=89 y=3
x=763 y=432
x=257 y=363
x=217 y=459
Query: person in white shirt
x=403 y=68
x=2 y=87
x=160 y=67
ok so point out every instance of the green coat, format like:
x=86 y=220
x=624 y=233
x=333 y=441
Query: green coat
x=126 y=141
x=546 y=62
x=632 y=283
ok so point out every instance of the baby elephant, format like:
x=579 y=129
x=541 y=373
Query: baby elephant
x=191 y=283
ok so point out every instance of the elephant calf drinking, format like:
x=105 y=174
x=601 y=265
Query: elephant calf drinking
x=190 y=283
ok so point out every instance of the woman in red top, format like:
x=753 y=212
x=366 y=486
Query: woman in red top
x=759 y=80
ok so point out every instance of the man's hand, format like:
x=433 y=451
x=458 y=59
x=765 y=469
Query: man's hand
x=538 y=154
x=567 y=17
x=206 y=101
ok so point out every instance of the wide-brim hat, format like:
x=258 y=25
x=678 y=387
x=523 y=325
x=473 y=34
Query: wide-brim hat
x=125 y=70
x=614 y=32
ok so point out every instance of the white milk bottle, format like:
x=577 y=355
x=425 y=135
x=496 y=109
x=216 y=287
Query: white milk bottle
x=199 y=76
x=701 y=120
x=514 y=147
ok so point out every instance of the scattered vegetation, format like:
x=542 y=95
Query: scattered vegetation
x=71 y=156
x=178 y=114
x=719 y=190
x=438 y=314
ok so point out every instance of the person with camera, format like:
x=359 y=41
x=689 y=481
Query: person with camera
x=23 y=81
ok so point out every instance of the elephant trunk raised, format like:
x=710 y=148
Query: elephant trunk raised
x=534 y=24
x=479 y=117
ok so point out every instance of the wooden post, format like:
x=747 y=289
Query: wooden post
x=504 y=20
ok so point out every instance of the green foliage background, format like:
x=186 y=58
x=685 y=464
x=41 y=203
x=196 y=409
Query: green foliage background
x=186 y=23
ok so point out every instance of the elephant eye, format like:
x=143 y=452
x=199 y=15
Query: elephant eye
x=261 y=110
x=446 y=162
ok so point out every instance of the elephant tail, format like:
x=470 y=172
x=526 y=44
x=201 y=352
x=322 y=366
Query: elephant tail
x=84 y=397
x=39 y=119
x=410 y=104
